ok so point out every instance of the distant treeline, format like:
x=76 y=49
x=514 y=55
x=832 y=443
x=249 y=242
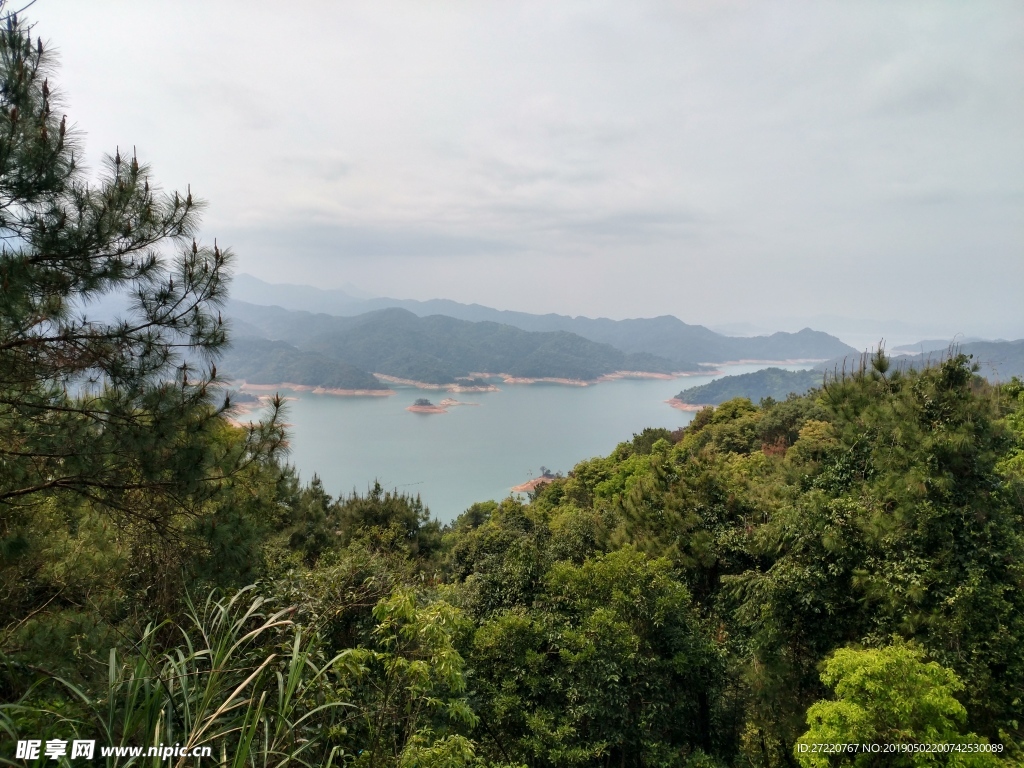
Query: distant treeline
x=996 y=361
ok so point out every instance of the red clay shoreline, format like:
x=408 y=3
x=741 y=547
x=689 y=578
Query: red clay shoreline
x=531 y=485
x=463 y=388
x=510 y=379
x=789 y=361
x=316 y=390
x=681 y=406
x=444 y=387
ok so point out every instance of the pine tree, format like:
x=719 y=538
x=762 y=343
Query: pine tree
x=102 y=408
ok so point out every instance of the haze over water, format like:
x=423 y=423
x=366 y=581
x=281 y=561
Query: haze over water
x=474 y=453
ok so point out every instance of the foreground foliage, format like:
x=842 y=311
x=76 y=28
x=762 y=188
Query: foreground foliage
x=889 y=696
x=848 y=561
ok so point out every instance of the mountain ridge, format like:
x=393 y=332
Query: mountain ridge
x=665 y=335
x=434 y=350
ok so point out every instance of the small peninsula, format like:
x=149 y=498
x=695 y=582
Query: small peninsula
x=531 y=485
x=545 y=477
x=775 y=383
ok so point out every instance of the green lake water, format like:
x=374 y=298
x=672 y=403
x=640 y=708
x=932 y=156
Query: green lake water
x=473 y=453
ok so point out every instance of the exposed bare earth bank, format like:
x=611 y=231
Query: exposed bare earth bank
x=247 y=387
x=426 y=409
x=241 y=411
x=456 y=387
x=681 y=406
x=531 y=485
x=788 y=361
x=507 y=378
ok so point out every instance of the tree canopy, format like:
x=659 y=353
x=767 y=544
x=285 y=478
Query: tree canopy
x=100 y=406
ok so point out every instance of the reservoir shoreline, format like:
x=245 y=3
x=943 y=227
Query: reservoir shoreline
x=455 y=387
x=478 y=453
x=245 y=386
x=679 y=405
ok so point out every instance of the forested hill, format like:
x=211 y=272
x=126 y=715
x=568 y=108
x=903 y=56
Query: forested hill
x=262 y=361
x=775 y=383
x=665 y=336
x=996 y=361
x=435 y=349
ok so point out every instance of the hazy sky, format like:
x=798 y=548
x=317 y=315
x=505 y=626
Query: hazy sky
x=717 y=161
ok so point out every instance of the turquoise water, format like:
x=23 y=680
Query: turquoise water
x=473 y=453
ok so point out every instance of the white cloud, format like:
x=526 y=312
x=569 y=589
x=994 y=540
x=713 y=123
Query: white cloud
x=718 y=161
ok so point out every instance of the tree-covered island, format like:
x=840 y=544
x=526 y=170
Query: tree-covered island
x=423 y=405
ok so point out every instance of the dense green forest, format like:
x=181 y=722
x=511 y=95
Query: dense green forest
x=262 y=361
x=439 y=349
x=775 y=383
x=995 y=360
x=843 y=567
x=695 y=598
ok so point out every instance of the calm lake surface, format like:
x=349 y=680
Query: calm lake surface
x=474 y=453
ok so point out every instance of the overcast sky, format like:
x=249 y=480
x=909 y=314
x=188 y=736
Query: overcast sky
x=718 y=161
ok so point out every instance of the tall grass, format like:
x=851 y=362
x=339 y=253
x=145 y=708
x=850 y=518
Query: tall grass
x=242 y=681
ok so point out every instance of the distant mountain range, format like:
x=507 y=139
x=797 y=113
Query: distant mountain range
x=933 y=345
x=322 y=321
x=275 y=345
x=997 y=360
